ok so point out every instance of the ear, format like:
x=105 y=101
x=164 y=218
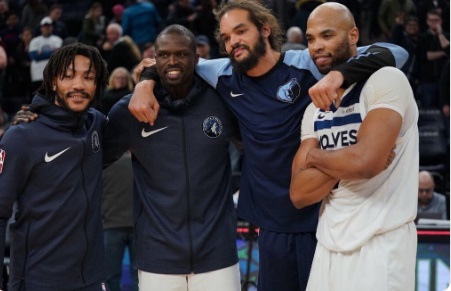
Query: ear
x=354 y=36
x=196 y=58
x=266 y=31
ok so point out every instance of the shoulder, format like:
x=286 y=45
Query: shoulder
x=389 y=77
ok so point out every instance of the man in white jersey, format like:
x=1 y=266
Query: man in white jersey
x=360 y=156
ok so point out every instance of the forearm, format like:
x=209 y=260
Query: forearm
x=346 y=163
x=309 y=186
x=374 y=58
x=444 y=42
x=434 y=55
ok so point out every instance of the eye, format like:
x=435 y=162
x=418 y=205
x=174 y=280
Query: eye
x=181 y=55
x=162 y=55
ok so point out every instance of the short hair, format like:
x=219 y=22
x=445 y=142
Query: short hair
x=180 y=30
x=60 y=61
x=294 y=31
x=116 y=27
x=259 y=15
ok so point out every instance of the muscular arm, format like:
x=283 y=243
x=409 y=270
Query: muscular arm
x=366 y=158
x=308 y=185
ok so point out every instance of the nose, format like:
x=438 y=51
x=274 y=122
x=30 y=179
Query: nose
x=172 y=59
x=316 y=45
x=234 y=40
x=79 y=83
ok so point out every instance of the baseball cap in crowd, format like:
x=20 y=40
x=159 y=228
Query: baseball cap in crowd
x=118 y=9
x=46 y=21
x=202 y=40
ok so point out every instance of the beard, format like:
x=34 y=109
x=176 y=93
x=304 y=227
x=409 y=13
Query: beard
x=64 y=104
x=252 y=59
x=342 y=55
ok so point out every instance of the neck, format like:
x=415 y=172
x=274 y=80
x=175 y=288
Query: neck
x=265 y=64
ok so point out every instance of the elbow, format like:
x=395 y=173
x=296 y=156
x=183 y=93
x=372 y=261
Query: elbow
x=298 y=199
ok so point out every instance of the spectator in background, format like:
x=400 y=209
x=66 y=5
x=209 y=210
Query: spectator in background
x=18 y=80
x=10 y=34
x=4 y=12
x=117 y=220
x=431 y=55
x=40 y=50
x=206 y=22
x=118 y=12
x=141 y=22
x=59 y=27
x=148 y=50
x=3 y=65
x=4 y=123
x=389 y=10
x=295 y=39
x=183 y=13
x=93 y=29
x=430 y=201
x=119 y=51
x=405 y=34
x=203 y=46
x=32 y=13
x=441 y=6
x=119 y=85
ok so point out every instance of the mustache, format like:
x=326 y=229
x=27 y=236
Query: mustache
x=83 y=93
x=237 y=46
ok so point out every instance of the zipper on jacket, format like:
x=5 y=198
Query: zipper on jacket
x=188 y=196
x=22 y=279
x=86 y=212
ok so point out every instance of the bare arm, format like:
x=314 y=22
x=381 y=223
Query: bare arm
x=369 y=156
x=308 y=185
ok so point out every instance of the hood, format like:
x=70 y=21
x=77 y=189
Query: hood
x=179 y=105
x=56 y=116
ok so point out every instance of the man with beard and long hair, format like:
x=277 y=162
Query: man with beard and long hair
x=268 y=92
x=360 y=158
x=52 y=169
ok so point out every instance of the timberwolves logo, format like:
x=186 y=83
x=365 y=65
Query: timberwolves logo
x=289 y=92
x=95 y=141
x=212 y=127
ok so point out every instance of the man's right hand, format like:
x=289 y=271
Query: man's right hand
x=143 y=104
x=24 y=115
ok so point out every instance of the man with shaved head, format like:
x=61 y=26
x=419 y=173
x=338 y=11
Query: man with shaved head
x=360 y=158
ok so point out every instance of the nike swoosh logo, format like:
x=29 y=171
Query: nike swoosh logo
x=48 y=158
x=149 y=133
x=235 y=95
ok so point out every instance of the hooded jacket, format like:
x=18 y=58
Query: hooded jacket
x=52 y=167
x=183 y=208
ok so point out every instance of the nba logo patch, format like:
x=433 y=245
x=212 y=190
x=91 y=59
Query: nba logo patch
x=2 y=159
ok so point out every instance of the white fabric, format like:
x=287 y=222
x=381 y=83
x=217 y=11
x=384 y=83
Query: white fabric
x=359 y=209
x=383 y=263
x=366 y=236
x=42 y=44
x=227 y=279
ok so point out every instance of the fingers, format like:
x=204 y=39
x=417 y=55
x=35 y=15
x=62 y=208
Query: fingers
x=145 y=63
x=324 y=92
x=146 y=112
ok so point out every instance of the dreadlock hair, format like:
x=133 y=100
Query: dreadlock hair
x=60 y=61
x=258 y=14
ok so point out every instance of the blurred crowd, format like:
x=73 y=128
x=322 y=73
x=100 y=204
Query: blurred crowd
x=124 y=32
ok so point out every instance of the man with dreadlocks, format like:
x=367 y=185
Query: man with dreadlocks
x=52 y=167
